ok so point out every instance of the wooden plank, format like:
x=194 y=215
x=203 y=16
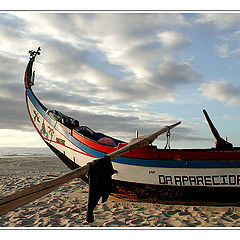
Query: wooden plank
x=29 y=194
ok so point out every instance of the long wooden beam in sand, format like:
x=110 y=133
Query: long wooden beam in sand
x=27 y=195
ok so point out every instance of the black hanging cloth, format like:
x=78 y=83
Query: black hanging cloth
x=100 y=183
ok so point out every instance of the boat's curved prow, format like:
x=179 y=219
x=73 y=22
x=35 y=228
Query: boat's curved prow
x=34 y=106
x=29 y=76
x=29 y=79
x=54 y=133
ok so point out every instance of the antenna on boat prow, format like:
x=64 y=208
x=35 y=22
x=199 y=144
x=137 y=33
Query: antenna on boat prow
x=33 y=54
x=29 y=74
x=221 y=144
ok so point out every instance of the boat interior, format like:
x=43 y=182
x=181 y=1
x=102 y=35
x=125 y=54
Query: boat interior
x=72 y=126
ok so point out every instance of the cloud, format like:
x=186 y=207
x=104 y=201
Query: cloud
x=117 y=77
x=98 y=68
x=226 y=117
x=173 y=73
x=225 y=26
x=221 y=21
x=173 y=40
x=13 y=113
x=229 y=44
x=223 y=50
x=222 y=91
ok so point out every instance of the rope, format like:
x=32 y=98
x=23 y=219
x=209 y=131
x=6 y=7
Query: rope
x=168 y=140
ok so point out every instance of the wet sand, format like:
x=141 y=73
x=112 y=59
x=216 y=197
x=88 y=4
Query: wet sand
x=67 y=206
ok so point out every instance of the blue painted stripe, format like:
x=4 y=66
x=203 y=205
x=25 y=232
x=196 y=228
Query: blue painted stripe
x=137 y=161
x=179 y=163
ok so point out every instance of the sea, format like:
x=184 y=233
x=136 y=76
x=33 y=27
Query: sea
x=11 y=152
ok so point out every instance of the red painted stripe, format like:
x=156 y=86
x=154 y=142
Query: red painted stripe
x=83 y=153
x=152 y=152
x=25 y=78
x=195 y=154
x=149 y=152
x=94 y=145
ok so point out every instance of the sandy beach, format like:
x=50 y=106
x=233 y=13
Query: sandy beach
x=67 y=206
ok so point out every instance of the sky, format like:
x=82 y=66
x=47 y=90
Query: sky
x=117 y=72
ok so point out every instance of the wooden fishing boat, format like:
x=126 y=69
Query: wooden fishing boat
x=192 y=176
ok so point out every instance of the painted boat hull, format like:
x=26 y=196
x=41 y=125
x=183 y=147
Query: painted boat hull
x=192 y=176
